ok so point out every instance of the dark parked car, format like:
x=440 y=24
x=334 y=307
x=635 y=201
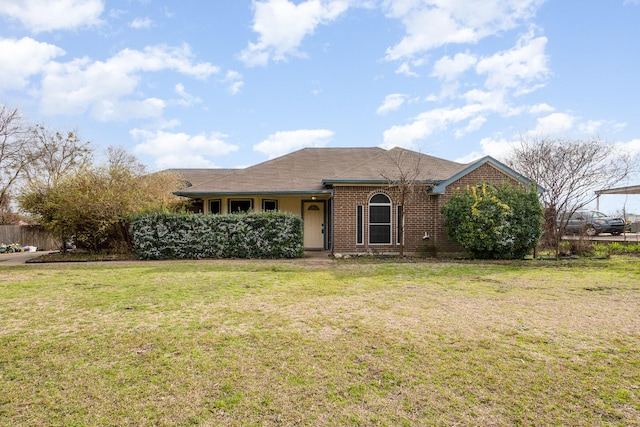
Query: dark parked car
x=592 y=223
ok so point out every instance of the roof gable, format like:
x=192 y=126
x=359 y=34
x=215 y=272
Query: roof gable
x=442 y=186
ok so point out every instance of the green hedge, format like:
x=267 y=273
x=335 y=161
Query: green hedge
x=193 y=236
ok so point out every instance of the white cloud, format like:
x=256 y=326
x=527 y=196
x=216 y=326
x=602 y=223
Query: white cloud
x=405 y=69
x=508 y=73
x=448 y=68
x=48 y=15
x=553 y=124
x=186 y=99
x=469 y=117
x=102 y=87
x=22 y=59
x=234 y=81
x=591 y=126
x=630 y=147
x=518 y=68
x=473 y=125
x=433 y=23
x=391 y=103
x=284 y=142
x=541 y=108
x=282 y=25
x=180 y=149
x=141 y=23
x=425 y=124
x=594 y=127
x=499 y=149
x=117 y=13
x=121 y=110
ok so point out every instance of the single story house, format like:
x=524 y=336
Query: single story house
x=351 y=199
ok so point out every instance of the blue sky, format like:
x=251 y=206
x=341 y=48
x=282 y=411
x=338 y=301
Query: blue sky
x=231 y=83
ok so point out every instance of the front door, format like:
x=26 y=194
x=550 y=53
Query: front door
x=313 y=216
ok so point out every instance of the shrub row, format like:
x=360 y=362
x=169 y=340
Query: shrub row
x=193 y=236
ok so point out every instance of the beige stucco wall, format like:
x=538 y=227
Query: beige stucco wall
x=292 y=204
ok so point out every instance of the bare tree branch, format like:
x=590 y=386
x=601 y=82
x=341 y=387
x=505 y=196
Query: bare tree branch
x=16 y=152
x=404 y=179
x=570 y=171
x=58 y=154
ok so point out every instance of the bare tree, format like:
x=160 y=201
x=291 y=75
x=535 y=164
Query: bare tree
x=118 y=158
x=403 y=178
x=570 y=171
x=57 y=155
x=16 y=152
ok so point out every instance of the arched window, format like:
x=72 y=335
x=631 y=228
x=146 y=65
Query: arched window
x=380 y=219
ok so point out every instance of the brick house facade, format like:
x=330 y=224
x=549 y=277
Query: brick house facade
x=423 y=229
x=347 y=200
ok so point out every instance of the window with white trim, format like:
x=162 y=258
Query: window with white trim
x=380 y=220
x=359 y=225
x=399 y=225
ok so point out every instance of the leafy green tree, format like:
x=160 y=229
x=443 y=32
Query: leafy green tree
x=497 y=223
x=95 y=205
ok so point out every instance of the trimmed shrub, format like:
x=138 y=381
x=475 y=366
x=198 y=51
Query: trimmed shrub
x=193 y=236
x=497 y=223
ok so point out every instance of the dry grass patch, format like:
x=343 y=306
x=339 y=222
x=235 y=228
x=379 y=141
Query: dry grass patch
x=268 y=343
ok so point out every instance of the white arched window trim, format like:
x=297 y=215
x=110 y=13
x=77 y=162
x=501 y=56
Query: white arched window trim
x=380 y=219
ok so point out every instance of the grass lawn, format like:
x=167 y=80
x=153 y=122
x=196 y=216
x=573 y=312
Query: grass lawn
x=264 y=343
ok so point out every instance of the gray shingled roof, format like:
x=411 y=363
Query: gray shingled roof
x=198 y=176
x=394 y=163
x=309 y=169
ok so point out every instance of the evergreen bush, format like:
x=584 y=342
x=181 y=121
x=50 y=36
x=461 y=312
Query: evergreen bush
x=163 y=235
x=495 y=222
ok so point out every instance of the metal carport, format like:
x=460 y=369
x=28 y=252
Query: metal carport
x=632 y=189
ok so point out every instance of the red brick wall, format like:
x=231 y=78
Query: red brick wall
x=422 y=215
x=419 y=214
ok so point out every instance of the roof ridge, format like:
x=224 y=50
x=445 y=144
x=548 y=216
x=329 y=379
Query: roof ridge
x=284 y=157
x=387 y=152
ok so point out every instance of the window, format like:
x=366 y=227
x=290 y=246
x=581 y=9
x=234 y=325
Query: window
x=215 y=206
x=380 y=219
x=359 y=225
x=399 y=224
x=240 y=205
x=269 y=205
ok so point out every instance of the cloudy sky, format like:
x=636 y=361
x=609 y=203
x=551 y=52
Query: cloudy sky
x=230 y=83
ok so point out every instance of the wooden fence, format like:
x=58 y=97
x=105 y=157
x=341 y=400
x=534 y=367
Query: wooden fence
x=28 y=235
